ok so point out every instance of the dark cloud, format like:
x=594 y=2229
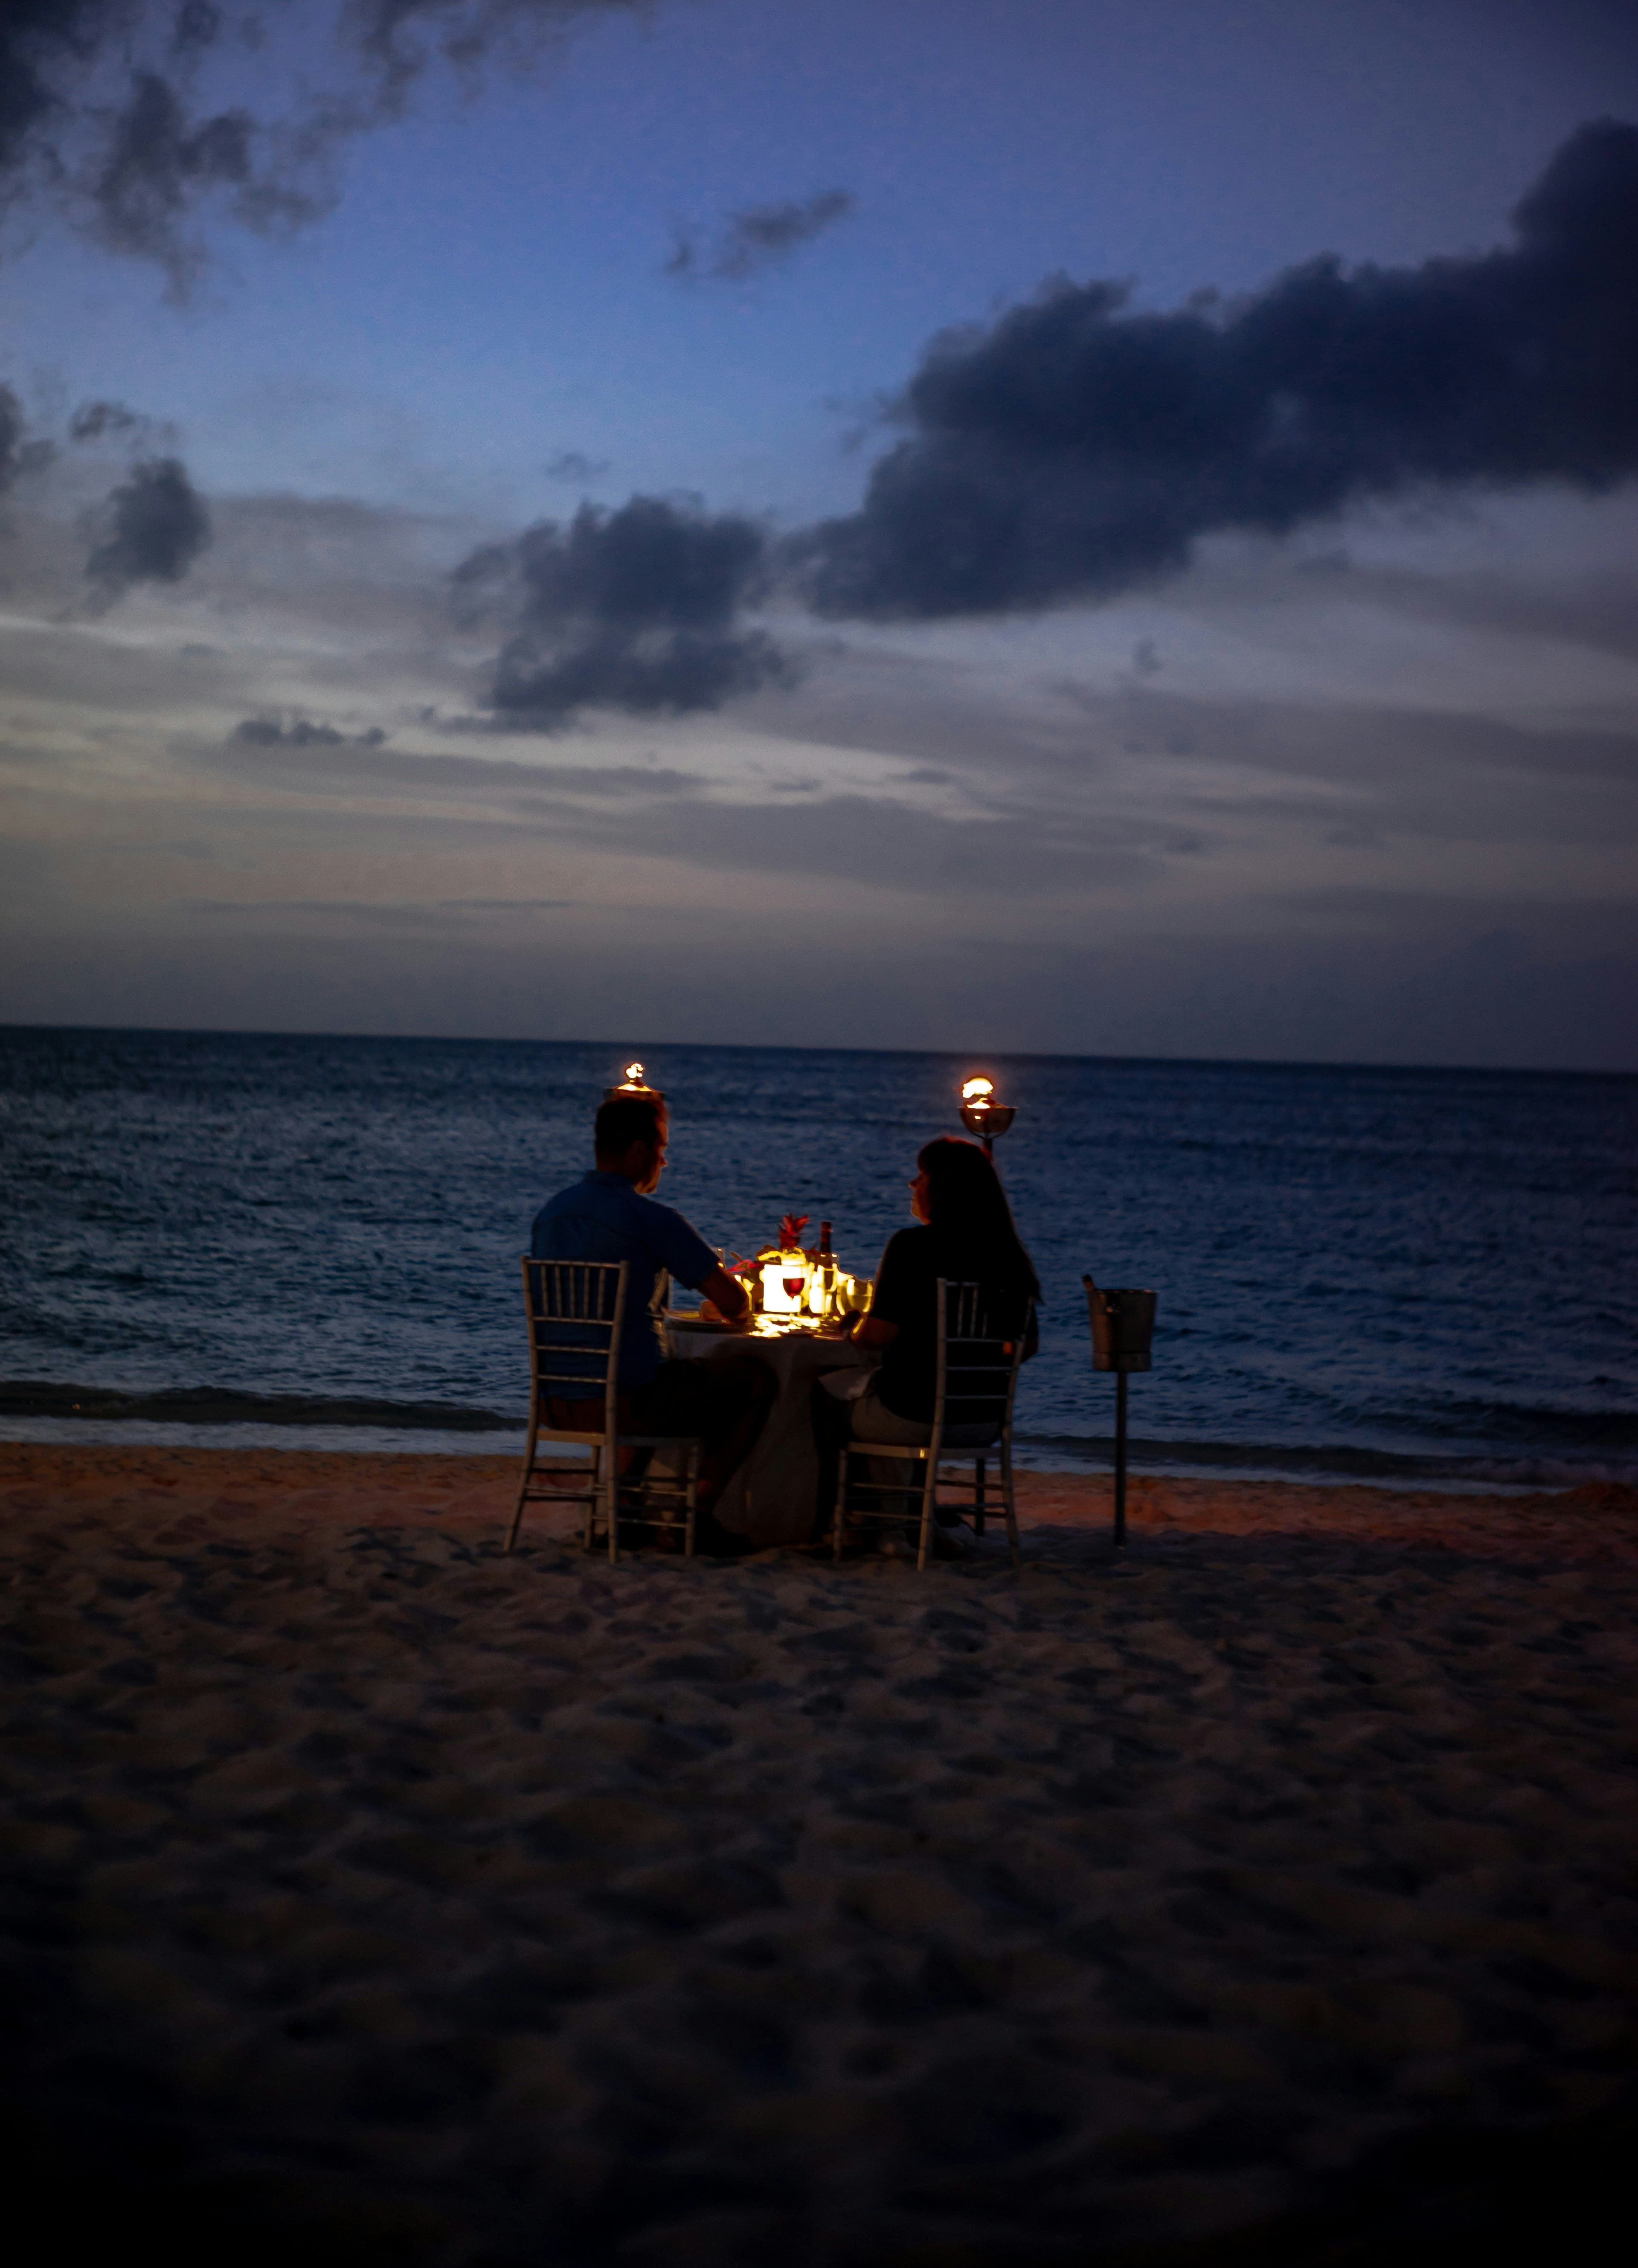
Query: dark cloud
x=574 y=466
x=37 y=37
x=267 y=733
x=402 y=41
x=12 y=428
x=18 y=453
x=198 y=24
x=157 y=526
x=98 y=114
x=116 y=422
x=637 y=609
x=102 y=112
x=94 y=419
x=759 y=237
x=158 y=162
x=1076 y=447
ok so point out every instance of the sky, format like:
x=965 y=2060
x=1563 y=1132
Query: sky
x=1000 y=524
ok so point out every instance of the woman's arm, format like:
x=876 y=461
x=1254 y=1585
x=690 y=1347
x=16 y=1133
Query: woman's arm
x=874 y=1329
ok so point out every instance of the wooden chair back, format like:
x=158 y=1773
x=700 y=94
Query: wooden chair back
x=977 y=1368
x=575 y=1310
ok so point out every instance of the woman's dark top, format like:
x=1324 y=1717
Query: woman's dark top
x=906 y=1293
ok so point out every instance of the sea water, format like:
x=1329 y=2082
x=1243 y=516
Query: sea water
x=1401 y=1276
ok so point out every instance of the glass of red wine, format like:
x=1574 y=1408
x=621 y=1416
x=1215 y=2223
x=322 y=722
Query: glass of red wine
x=794 y=1285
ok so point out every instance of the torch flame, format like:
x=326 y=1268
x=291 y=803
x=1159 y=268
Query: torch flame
x=976 y=1090
x=634 y=1074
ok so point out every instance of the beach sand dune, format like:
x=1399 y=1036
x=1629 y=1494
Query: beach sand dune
x=1268 y=1895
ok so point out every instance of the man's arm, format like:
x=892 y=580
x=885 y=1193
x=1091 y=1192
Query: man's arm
x=682 y=1250
x=730 y=1299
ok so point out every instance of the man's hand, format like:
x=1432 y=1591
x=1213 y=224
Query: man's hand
x=728 y=1296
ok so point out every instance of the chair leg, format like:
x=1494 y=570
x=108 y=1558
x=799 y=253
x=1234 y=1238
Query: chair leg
x=691 y=1488
x=977 y=1499
x=523 y=1485
x=1007 y=1498
x=929 y=1499
x=588 y=1518
x=841 y=1499
x=611 y=1499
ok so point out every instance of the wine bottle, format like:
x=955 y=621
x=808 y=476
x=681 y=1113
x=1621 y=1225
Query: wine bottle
x=826 y=1270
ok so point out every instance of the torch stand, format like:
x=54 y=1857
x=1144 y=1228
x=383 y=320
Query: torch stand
x=1120 y=1461
x=1122 y=1329
x=987 y=1120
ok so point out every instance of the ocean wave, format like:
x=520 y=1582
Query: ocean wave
x=42 y=1409
x=208 y=1405
x=1540 y=1465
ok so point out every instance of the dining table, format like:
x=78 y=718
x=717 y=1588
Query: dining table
x=774 y=1498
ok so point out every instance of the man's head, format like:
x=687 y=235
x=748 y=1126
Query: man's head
x=629 y=1140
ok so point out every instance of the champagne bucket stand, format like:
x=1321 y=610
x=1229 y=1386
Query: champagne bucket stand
x=1122 y=1329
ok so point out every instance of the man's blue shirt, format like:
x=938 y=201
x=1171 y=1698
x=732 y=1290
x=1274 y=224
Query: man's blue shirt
x=602 y=1217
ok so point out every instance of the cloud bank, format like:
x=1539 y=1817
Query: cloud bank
x=1072 y=450
x=1423 y=851
x=1075 y=448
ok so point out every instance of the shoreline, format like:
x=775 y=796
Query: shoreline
x=1471 y=1474
x=318 y=1486
x=1248 y=1897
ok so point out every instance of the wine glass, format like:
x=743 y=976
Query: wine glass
x=795 y=1284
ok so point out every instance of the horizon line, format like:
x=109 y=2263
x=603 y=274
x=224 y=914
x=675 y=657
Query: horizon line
x=979 y=1055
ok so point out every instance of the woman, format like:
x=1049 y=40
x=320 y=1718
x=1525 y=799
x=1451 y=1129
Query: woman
x=966 y=1235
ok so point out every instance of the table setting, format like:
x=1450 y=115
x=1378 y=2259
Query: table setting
x=803 y=1303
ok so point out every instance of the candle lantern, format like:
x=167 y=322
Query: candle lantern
x=981 y=1114
x=785 y=1268
x=785 y=1284
x=1123 y=1331
x=633 y=1087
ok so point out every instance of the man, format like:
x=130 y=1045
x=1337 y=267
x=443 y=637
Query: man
x=610 y=1215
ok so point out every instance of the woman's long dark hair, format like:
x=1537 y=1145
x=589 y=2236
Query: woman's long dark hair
x=968 y=1204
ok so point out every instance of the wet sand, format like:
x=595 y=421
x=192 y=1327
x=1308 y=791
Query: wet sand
x=1267 y=1895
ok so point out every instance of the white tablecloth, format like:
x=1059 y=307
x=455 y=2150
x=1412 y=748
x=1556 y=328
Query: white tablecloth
x=773 y=1495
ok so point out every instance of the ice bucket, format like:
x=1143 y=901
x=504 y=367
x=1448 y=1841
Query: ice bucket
x=1122 y=1328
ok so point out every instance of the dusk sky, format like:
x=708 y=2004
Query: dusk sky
x=1084 y=526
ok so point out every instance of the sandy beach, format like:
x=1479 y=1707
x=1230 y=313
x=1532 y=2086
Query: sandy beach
x=1266 y=1895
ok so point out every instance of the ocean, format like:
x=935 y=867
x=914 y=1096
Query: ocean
x=1424 y=1277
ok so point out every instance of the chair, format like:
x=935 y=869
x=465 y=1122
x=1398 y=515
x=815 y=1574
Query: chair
x=972 y=1412
x=575 y=1308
